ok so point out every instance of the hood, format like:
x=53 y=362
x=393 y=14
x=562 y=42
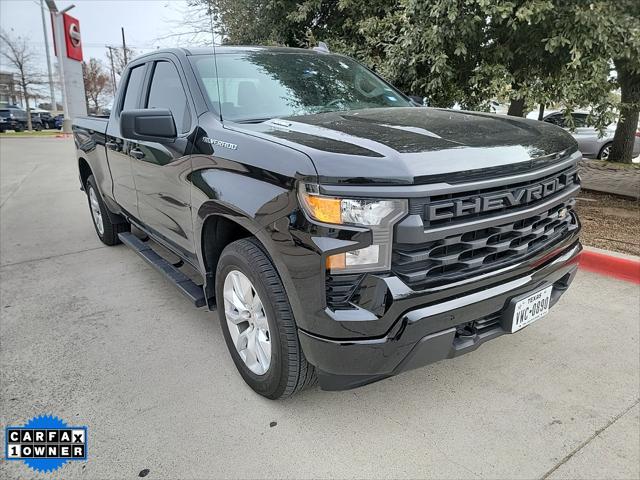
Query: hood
x=417 y=145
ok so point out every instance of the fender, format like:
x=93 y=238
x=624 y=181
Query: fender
x=265 y=210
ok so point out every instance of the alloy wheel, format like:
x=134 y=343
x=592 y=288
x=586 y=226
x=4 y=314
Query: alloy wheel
x=247 y=322
x=96 y=213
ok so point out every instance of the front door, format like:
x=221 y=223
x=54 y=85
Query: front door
x=161 y=170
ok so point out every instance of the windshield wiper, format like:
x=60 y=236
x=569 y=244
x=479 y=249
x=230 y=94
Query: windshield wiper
x=254 y=120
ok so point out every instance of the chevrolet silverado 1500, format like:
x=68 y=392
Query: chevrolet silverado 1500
x=343 y=233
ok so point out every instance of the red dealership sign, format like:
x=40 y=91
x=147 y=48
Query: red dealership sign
x=72 y=37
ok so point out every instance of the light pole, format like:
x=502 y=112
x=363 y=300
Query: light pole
x=54 y=105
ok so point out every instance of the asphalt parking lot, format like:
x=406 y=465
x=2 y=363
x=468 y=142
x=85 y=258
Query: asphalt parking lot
x=94 y=335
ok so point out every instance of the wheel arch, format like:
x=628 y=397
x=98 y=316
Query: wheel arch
x=210 y=248
x=85 y=171
x=217 y=231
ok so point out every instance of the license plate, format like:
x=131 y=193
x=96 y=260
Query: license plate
x=530 y=309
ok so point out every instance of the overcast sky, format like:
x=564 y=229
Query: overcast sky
x=144 y=21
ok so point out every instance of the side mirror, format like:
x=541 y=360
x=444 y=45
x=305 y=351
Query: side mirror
x=418 y=101
x=148 y=124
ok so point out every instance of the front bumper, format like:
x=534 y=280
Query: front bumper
x=446 y=328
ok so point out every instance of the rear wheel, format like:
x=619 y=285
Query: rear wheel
x=107 y=230
x=257 y=322
x=605 y=151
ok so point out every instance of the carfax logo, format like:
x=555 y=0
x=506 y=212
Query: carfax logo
x=45 y=443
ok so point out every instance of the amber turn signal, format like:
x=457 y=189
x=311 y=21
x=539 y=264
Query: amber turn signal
x=323 y=209
x=337 y=262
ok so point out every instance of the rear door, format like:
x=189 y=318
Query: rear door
x=118 y=148
x=585 y=135
x=162 y=170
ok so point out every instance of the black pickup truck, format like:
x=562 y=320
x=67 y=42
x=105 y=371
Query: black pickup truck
x=343 y=233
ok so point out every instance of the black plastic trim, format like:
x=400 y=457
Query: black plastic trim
x=188 y=287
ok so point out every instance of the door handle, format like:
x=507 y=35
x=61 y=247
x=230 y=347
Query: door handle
x=136 y=153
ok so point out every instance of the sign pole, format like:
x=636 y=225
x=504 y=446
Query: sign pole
x=54 y=105
x=58 y=32
x=68 y=43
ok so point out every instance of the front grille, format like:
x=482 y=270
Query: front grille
x=442 y=210
x=455 y=257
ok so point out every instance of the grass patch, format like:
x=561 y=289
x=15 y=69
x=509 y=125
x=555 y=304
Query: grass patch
x=27 y=134
x=603 y=164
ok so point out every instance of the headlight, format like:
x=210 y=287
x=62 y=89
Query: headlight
x=378 y=215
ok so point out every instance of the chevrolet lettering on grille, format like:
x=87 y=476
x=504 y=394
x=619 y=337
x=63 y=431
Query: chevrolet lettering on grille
x=500 y=200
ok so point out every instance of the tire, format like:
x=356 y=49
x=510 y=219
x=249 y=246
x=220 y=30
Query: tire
x=108 y=234
x=605 y=151
x=288 y=371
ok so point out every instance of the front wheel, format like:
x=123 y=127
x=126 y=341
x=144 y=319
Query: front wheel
x=605 y=151
x=257 y=322
x=107 y=230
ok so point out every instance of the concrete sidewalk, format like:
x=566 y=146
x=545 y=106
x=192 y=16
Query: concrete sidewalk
x=94 y=335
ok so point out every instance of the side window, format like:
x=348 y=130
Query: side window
x=134 y=84
x=166 y=91
x=579 y=120
x=556 y=119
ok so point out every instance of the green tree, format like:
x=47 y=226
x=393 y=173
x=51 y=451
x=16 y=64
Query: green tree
x=624 y=138
x=470 y=51
x=256 y=22
x=602 y=36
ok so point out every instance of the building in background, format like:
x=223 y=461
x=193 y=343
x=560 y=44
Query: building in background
x=8 y=93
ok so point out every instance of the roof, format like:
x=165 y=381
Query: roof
x=246 y=48
x=221 y=49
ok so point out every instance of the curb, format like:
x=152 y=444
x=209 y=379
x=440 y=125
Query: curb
x=625 y=268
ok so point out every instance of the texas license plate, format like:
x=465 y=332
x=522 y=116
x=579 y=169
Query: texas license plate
x=530 y=309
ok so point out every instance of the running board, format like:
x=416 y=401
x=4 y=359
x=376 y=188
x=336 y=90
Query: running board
x=188 y=287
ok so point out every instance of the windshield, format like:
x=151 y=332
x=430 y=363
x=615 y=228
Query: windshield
x=259 y=85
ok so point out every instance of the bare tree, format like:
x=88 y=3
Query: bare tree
x=21 y=58
x=119 y=58
x=200 y=25
x=96 y=82
x=116 y=58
